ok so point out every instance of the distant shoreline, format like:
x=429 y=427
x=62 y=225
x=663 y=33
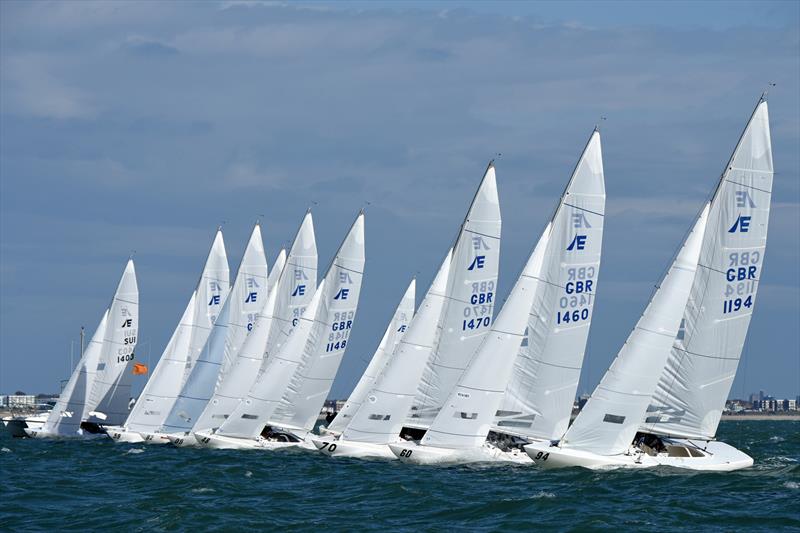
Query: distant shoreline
x=762 y=417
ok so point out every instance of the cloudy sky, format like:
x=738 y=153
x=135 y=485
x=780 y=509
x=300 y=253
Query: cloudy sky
x=143 y=126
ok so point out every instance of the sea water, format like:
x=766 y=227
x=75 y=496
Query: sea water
x=61 y=485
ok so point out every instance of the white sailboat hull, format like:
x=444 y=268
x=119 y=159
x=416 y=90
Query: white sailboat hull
x=183 y=440
x=121 y=434
x=219 y=442
x=16 y=425
x=154 y=438
x=709 y=456
x=410 y=452
x=345 y=448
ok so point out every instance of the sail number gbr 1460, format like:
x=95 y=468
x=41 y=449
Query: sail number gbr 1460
x=576 y=303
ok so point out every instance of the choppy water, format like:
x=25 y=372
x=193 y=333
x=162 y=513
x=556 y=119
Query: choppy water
x=81 y=485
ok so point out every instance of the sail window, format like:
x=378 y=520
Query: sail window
x=465 y=416
x=250 y=417
x=500 y=412
x=614 y=419
x=376 y=416
x=514 y=424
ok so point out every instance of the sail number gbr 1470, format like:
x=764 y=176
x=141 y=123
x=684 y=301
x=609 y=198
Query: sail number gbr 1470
x=478 y=315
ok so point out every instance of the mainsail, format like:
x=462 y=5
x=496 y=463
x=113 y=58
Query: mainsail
x=226 y=337
x=321 y=331
x=611 y=417
x=467 y=416
x=700 y=370
x=111 y=391
x=309 y=387
x=302 y=264
x=380 y=418
x=66 y=416
x=164 y=385
x=391 y=338
x=539 y=396
x=467 y=314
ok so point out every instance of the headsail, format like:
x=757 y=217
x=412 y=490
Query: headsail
x=310 y=385
x=381 y=417
x=164 y=385
x=391 y=338
x=111 y=391
x=611 y=417
x=67 y=414
x=700 y=370
x=226 y=337
x=467 y=416
x=467 y=314
x=243 y=373
x=539 y=396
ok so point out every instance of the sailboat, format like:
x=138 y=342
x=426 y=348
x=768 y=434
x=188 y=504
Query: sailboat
x=391 y=338
x=281 y=408
x=675 y=423
x=272 y=325
x=99 y=387
x=226 y=338
x=468 y=310
x=550 y=308
x=470 y=267
x=188 y=339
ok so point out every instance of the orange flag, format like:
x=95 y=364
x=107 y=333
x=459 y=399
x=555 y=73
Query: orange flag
x=139 y=369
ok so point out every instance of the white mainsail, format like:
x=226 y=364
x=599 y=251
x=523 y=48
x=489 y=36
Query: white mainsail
x=381 y=417
x=110 y=393
x=312 y=382
x=302 y=264
x=276 y=270
x=693 y=388
x=391 y=338
x=67 y=414
x=467 y=314
x=311 y=338
x=295 y=287
x=467 y=416
x=539 y=396
x=166 y=380
x=611 y=417
x=226 y=337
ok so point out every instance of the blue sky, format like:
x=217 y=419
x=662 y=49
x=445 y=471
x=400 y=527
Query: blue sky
x=142 y=126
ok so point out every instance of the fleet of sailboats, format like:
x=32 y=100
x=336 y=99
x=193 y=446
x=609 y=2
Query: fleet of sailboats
x=250 y=364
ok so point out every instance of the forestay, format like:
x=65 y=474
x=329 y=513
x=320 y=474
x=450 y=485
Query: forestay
x=467 y=416
x=391 y=338
x=302 y=266
x=226 y=337
x=692 y=390
x=166 y=380
x=611 y=417
x=66 y=416
x=110 y=393
x=380 y=418
x=539 y=396
x=309 y=387
x=467 y=314
x=257 y=410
